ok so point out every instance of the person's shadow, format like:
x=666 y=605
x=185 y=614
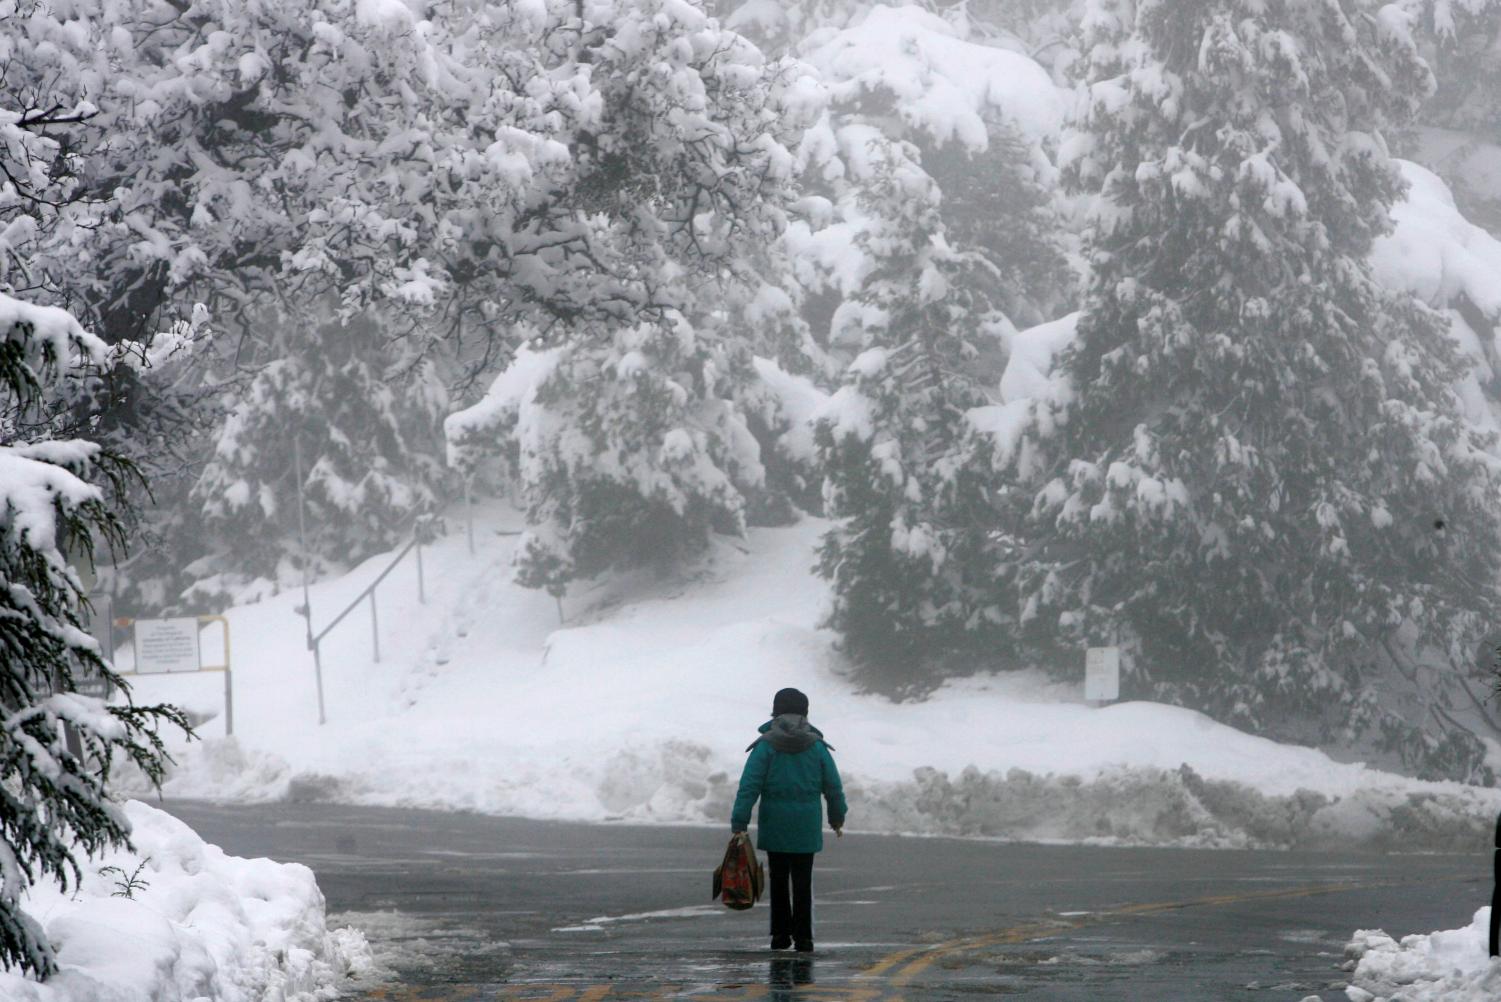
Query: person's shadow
x=787 y=975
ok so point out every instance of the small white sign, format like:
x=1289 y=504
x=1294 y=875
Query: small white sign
x=166 y=645
x=1102 y=674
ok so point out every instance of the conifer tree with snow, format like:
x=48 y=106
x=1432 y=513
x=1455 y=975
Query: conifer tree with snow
x=54 y=802
x=889 y=439
x=1240 y=467
x=942 y=231
x=59 y=496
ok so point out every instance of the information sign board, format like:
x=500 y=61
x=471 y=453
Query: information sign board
x=166 y=645
x=1102 y=674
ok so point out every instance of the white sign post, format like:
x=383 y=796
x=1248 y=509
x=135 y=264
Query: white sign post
x=1102 y=674
x=166 y=645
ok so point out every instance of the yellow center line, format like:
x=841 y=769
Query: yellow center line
x=918 y=960
x=893 y=960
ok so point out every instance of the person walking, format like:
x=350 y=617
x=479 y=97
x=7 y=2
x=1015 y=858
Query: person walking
x=789 y=770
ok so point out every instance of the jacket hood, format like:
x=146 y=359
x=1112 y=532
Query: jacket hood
x=790 y=733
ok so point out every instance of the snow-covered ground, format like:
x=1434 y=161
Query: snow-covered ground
x=641 y=704
x=191 y=923
x=1449 y=966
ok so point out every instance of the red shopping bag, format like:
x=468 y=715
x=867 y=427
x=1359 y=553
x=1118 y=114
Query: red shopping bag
x=738 y=880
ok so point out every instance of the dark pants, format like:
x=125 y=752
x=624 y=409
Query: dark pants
x=792 y=895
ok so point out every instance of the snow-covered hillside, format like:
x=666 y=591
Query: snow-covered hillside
x=640 y=706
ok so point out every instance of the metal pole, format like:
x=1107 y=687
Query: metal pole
x=469 y=513
x=307 y=602
x=421 y=584
x=374 y=626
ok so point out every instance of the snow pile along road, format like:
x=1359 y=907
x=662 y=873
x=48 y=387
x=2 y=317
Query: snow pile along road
x=1448 y=966
x=197 y=924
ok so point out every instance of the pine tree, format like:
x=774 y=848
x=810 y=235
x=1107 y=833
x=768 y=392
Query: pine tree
x=54 y=803
x=942 y=230
x=1240 y=469
x=889 y=438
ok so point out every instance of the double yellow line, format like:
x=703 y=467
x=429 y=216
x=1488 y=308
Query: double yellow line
x=900 y=969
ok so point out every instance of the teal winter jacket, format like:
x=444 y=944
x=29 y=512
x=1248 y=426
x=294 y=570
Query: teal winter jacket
x=789 y=770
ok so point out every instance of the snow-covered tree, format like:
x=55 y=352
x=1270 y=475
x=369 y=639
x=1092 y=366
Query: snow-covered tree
x=268 y=159
x=54 y=803
x=888 y=438
x=1241 y=466
x=625 y=422
x=932 y=155
x=370 y=440
x=233 y=154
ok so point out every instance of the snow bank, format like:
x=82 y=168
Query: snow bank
x=200 y=925
x=640 y=705
x=1450 y=966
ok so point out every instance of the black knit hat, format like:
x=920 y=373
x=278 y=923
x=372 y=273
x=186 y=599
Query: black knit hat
x=789 y=701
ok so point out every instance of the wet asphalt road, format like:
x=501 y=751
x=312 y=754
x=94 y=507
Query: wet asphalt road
x=466 y=907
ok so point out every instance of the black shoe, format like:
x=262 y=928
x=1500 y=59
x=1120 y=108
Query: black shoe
x=781 y=942
x=805 y=946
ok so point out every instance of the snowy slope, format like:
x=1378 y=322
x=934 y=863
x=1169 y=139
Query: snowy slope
x=198 y=925
x=641 y=705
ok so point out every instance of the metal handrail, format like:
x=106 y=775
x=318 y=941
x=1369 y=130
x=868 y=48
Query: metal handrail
x=315 y=640
x=414 y=543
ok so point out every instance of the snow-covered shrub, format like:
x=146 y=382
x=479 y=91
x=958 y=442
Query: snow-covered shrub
x=635 y=462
